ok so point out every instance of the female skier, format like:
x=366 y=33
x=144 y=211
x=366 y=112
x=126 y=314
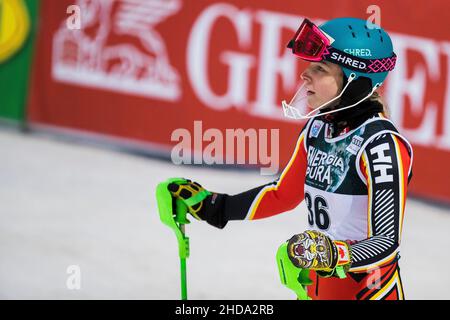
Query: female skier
x=350 y=165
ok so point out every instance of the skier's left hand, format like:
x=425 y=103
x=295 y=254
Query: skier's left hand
x=315 y=251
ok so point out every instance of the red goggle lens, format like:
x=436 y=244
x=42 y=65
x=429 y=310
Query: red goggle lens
x=309 y=42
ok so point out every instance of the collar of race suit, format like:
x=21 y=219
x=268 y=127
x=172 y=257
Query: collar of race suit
x=343 y=121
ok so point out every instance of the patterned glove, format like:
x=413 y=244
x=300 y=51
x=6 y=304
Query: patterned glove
x=315 y=251
x=192 y=193
x=201 y=203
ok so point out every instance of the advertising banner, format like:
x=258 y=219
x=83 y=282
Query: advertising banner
x=17 y=29
x=197 y=72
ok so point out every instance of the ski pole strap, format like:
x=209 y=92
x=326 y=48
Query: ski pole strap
x=340 y=272
x=197 y=198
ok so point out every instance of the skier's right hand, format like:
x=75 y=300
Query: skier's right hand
x=201 y=203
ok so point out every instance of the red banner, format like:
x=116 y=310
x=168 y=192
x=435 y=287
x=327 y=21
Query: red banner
x=144 y=70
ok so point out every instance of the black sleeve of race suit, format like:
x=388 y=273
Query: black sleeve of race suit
x=385 y=159
x=221 y=208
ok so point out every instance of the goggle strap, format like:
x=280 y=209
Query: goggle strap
x=369 y=65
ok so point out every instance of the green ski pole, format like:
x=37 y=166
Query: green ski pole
x=176 y=221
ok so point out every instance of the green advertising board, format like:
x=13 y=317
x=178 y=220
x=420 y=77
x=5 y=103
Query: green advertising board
x=17 y=28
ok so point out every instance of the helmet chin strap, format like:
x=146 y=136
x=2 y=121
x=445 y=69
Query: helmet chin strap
x=293 y=113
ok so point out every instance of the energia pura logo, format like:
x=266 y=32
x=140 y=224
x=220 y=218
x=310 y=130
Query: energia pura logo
x=14 y=27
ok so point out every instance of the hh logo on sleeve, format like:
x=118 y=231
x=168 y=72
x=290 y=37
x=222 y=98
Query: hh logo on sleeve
x=382 y=163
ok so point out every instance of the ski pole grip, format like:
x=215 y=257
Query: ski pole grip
x=174 y=220
x=292 y=277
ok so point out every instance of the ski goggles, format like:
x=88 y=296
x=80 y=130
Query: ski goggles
x=309 y=42
x=312 y=44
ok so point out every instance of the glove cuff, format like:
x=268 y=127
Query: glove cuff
x=214 y=210
x=342 y=256
x=343 y=253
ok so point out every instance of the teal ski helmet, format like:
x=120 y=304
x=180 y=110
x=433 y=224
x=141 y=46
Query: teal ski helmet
x=365 y=40
x=360 y=48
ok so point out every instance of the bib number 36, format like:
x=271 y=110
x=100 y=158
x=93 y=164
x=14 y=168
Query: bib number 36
x=317 y=211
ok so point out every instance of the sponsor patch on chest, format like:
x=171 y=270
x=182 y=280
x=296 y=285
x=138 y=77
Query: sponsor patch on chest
x=315 y=128
x=355 y=145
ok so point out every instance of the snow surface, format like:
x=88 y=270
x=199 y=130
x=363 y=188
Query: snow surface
x=64 y=203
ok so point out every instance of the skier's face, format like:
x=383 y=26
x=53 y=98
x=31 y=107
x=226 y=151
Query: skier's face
x=323 y=80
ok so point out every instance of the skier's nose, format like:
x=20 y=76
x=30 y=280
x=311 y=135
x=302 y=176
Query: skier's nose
x=305 y=76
